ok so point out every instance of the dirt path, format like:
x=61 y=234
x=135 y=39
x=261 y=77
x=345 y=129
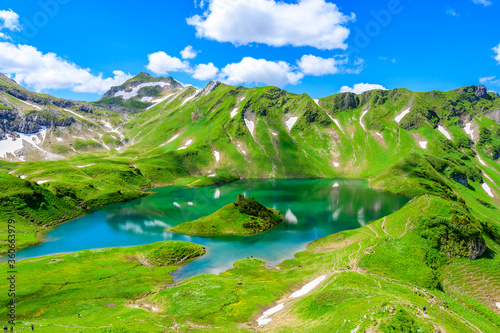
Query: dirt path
x=373 y=229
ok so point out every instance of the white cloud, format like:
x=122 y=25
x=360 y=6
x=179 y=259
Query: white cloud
x=485 y=3
x=317 y=66
x=161 y=63
x=9 y=20
x=257 y=71
x=452 y=12
x=393 y=60
x=361 y=88
x=315 y=23
x=202 y=4
x=489 y=79
x=4 y=36
x=189 y=53
x=205 y=72
x=48 y=71
x=96 y=84
x=496 y=49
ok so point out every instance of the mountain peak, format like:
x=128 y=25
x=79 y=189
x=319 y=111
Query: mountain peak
x=139 y=92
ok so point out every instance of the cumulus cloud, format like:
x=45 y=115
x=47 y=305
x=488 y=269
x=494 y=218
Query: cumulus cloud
x=317 y=66
x=161 y=63
x=205 y=72
x=496 y=49
x=189 y=53
x=452 y=12
x=315 y=23
x=361 y=88
x=41 y=71
x=9 y=20
x=485 y=3
x=256 y=71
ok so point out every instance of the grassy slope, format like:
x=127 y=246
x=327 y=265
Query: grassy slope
x=106 y=287
x=389 y=261
x=226 y=221
x=370 y=284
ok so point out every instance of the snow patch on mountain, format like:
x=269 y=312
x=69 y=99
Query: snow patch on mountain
x=336 y=122
x=159 y=100
x=361 y=119
x=32 y=105
x=135 y=91
x=469 y=131
x=487 y=189
x=187 y=144
x=234 y=112
x=308 y=287
x=266 y=316
x=250 y=125
x=423 y=144
x=83 y=166
x=217 y=156
x=291 y=122
x=445 y=132
x=172 y=139
x=12 y=145
x=249 y=118
x=197 y=92
x=402 y=115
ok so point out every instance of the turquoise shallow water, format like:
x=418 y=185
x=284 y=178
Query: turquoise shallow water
x=313 y=209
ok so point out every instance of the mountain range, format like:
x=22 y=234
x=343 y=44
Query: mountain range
x=60 y=157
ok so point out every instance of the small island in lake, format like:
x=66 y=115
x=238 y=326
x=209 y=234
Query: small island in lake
x=243 y=217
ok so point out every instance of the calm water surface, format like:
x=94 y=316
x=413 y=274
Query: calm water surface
x=312 y=209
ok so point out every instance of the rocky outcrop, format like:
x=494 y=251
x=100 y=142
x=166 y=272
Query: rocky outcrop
x=480 y=91
x=477 y=248
x=473 y=93
x=196 y=115
x=494 y=115
x=211 y=86
x=23 y=96
x=460 y=178
x=12 y=121
x=67 y=103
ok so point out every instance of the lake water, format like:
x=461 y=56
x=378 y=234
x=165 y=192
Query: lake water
x=312 y=208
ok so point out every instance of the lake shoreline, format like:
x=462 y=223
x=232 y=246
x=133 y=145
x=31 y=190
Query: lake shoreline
x=310 y=207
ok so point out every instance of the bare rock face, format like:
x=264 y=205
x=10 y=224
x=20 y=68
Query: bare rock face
x=477 y=248
x=22 y=95
x=480 y=91
x=14 y=121
x=211 y=86
x=461 y=179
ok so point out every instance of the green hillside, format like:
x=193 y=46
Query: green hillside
x=438 y=251
x=242 y=217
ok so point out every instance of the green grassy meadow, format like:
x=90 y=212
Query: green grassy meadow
x=378 y=278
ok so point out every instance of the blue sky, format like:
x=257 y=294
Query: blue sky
x=74 y=49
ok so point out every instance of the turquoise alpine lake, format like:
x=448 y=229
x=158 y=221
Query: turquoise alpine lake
x=313 y=208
